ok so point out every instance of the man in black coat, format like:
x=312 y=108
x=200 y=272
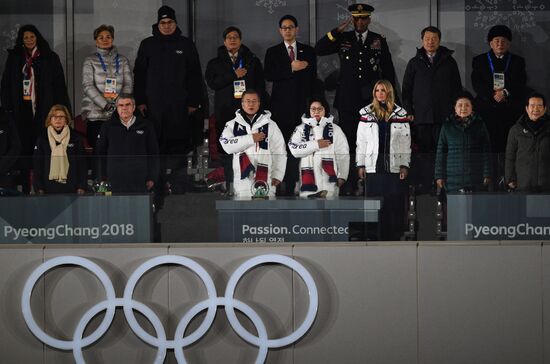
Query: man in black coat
x=364 y=59
x=168 y=86
x=430 y=83
x=499 y=78
x=127 y=150
x=234 y=70
x=292 y=67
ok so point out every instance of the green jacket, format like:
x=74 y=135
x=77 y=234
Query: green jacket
x=463 y=153
x=528 y=156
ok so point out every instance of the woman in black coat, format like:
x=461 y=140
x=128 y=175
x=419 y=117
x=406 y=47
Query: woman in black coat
x=32 y=82
x=59 y=165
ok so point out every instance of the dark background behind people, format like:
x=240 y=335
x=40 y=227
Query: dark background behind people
x=10 y=147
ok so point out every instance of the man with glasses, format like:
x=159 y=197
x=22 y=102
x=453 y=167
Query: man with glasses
x=364 y=59
x=257 y=146
x=168 y=87
x=292 y=67
x=232 y=72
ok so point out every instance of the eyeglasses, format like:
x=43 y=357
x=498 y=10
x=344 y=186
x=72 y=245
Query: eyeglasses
x=252 y=102
x=316 y=109
x=166 y=22
x=59 y=117
x=292 y=27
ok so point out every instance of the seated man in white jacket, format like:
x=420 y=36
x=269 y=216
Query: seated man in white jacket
x=323 y=151
x=257 y=145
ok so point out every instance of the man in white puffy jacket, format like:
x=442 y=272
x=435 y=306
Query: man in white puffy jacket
x=257 y=145
x=323 y=151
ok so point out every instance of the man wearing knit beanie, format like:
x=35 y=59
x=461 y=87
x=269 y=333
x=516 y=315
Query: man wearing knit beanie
x=168 y=87
x=499 y=79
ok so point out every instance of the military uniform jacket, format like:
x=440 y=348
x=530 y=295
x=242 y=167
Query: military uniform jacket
x=361 y=65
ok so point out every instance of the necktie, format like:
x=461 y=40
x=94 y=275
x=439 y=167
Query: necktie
x=291 y=53
x=360 y=38
x=233 y=59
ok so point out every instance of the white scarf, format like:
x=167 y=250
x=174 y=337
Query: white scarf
x=59 y=162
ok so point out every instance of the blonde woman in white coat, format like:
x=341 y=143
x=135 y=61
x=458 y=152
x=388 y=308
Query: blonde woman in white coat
x=257 y=145
x=383 y=156
x=323 y=151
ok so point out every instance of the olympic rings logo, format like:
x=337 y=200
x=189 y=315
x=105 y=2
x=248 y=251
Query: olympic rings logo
x=180 y=341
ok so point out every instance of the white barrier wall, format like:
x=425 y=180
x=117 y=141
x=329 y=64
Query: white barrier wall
x=378 y=303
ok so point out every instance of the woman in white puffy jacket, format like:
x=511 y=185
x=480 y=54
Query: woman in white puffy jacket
x=323 y=151
x=383 y=156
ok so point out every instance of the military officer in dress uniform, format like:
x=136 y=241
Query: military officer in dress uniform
x=364 y=59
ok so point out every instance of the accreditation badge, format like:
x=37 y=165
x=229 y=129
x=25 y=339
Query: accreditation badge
x=498 y=81
x=110 y=88
x=26 y=90
x=239 y=87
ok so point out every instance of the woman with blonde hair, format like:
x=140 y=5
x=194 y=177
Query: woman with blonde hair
x=383 y=156
x=59 y=165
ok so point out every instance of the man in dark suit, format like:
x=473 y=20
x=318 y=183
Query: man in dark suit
x=499 y=78
x=234 y=70
x=292 y=67
x=364 y=59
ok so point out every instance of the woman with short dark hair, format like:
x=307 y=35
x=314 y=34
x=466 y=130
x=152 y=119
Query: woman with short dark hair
x=323 y=151
x=105 y=74
x=463 y=152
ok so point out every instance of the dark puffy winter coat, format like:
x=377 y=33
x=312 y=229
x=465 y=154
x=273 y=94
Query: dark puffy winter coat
x=76 y=177
x=220 y=76
x=168 y=79
x=463 y=153
x=10 y=145
x=528 y=155
x=429 y=89
x=128 y=157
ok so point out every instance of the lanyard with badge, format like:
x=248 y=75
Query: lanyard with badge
x=498 y=77
x=239 y=86
x=110 y=82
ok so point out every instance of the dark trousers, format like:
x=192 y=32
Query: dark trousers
x=93 y=127
x=28 y=129
x=348 y=122
x=425 y=137
x=392 y=215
